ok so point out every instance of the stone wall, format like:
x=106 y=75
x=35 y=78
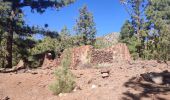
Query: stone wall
x=116 y=53
x=101 y=56
x=87 y=54
x=83 y=56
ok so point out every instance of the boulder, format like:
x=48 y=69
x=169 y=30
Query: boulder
x=158 y=80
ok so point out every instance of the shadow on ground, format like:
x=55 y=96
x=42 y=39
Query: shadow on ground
x=146 y=86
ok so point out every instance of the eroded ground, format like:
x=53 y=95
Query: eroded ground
x=123 y=83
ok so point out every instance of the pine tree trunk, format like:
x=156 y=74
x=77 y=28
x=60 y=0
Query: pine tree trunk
x=10 y=36
x=9 y=49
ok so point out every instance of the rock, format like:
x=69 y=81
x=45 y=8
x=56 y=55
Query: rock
x=81 y=74
x=19 y=83
x=104 y=75
x=168 y=63
x=20 y=65
x=77 y=88
x=33 y=72
x=105 y=72
x=6 y=98
x=157 y=77
x=62 y=94
x=21 y=71
x=93 y=86
x=158 y=80
x=89 y=81
x=131 y=62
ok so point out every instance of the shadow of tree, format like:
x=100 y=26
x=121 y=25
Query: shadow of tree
x=145 y=87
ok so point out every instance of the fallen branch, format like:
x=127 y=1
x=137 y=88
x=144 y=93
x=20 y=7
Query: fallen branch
x=15 y=69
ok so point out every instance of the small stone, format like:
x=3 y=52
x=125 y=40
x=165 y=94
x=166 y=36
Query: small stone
x=157 y=80
x=81 y=74
x=104 y=75
x=93 y=86
x=6 y=98
x=34 y=73
x=19 y=83
x=77 y=88
x=62 y=94
x=89 y=81
x=131 y=62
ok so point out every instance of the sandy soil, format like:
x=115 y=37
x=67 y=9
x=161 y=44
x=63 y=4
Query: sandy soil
x=122 y=84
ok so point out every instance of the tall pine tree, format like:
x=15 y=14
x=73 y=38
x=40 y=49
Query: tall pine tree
x=158 y=16
x=136 y=10
x=14 y=23
x=85 y=27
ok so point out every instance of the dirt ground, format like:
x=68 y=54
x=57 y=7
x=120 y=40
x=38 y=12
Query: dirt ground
x=123 y=83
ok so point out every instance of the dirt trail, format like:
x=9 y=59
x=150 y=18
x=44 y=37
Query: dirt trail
x=34 y=85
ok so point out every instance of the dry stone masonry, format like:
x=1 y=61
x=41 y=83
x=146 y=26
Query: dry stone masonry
x=87 y=54
x=84 y=56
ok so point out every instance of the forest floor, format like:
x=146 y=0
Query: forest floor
x=123 y=83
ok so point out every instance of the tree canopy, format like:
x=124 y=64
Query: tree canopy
x=85 y=27
x=11 y=21
x=149 y=18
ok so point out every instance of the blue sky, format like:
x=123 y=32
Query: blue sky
x=109 y=16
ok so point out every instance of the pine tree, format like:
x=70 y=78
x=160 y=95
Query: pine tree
x=127 y=31
x=65 y=33
x=14 y=23
x=127 y=36
x=4 y=8
x=85 y=27
x=136 y=10
x=66 y=40
x=158 y=16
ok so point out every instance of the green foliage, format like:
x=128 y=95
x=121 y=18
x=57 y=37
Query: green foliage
x=85 y=27
x=64 y=82
x=3 y=51
x=133 y=46
x=137 y=26
x=11 y=21
x=127 y=31
x=159 y=27
x=4 y=7
x=40 y=5
x=106 y=41
x=66 y=40
x=127 y=36
x=103 y=43
x=57 y=45
x=65 y=33
x=100 y=43
x=47 y=44
x=37 y=53
x=64 y=78
x=151 y=24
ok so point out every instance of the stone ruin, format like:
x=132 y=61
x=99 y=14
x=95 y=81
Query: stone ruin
x=49 y=61
x=85 y=55
x=116 y=53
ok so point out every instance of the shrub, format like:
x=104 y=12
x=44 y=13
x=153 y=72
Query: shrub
x=64 y=78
